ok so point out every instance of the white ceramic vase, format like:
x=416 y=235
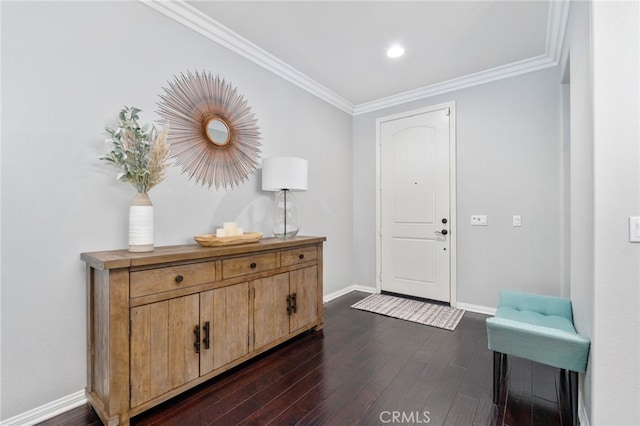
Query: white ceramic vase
x=141 y=224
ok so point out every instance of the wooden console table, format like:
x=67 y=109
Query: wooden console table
x=162 y=322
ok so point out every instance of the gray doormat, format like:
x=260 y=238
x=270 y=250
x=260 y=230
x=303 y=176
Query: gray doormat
x=412 y=310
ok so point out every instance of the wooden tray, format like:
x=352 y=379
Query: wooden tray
x=210 y=240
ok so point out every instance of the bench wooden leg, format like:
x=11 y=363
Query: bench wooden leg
x=497 y=375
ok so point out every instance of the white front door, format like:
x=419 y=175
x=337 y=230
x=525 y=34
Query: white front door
x=415 y=213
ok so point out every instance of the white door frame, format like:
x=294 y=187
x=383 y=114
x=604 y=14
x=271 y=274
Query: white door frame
x=452 y=191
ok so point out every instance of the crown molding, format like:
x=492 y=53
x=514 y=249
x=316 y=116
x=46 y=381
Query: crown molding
x=498 y=73
x=556 y=28
x=189 y=16
x=192 y=18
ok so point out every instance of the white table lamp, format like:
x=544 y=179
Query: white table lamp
x=285 y=174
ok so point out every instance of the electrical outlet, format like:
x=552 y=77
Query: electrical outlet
x=478 y=220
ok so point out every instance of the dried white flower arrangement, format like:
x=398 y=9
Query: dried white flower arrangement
x=141 y=153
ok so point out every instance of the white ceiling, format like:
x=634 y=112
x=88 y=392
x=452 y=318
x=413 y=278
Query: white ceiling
x=336 y=49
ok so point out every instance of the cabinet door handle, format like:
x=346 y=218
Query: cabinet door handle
x=294 y=300
x=253 y=265
x=179 y=278
x=207 y=337
x=289 y=305
x=301 y=256
x=196 y=344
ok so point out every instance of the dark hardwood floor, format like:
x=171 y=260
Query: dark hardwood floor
x=367 y=369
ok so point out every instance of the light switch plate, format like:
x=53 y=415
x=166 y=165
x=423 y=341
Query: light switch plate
x=634 y=229
x=517 y=220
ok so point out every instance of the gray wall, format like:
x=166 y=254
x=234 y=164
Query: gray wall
x=509 y=161
x=615 y=353
x=67 y=69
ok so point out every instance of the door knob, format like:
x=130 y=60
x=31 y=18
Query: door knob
x=443 y=232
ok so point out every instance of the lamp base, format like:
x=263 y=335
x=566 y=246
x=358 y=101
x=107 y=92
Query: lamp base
x=285 y=215
x=286 y=236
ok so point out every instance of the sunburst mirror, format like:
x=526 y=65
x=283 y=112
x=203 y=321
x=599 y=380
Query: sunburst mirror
x=213 y=134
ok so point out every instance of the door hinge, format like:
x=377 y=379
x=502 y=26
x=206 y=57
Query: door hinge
x=447 y=112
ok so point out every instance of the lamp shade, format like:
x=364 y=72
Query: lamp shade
x=284 y=173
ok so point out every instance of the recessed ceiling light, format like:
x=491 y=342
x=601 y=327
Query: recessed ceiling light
x=395 y=51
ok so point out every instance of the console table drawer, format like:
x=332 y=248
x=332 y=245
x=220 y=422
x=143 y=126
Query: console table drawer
x=303 y=254
x=153 y=281
x=246 y=265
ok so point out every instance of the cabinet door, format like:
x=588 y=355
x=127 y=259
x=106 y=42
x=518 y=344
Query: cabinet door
x=226 y=310
x=271 y=320
x=304 y=284
x=163 y=355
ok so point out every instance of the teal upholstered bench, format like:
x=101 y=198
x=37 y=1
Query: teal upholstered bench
x=538 y=328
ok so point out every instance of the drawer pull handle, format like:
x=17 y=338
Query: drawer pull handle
x=301 y=256
x=253 y=265
x=179 y=278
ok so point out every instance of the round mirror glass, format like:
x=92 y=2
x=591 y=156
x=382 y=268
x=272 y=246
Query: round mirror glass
x=217 y=131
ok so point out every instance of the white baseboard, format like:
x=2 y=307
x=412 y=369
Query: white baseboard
x=478 y=309
x=47 y=411
x=583 y=417
x=329 y=297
